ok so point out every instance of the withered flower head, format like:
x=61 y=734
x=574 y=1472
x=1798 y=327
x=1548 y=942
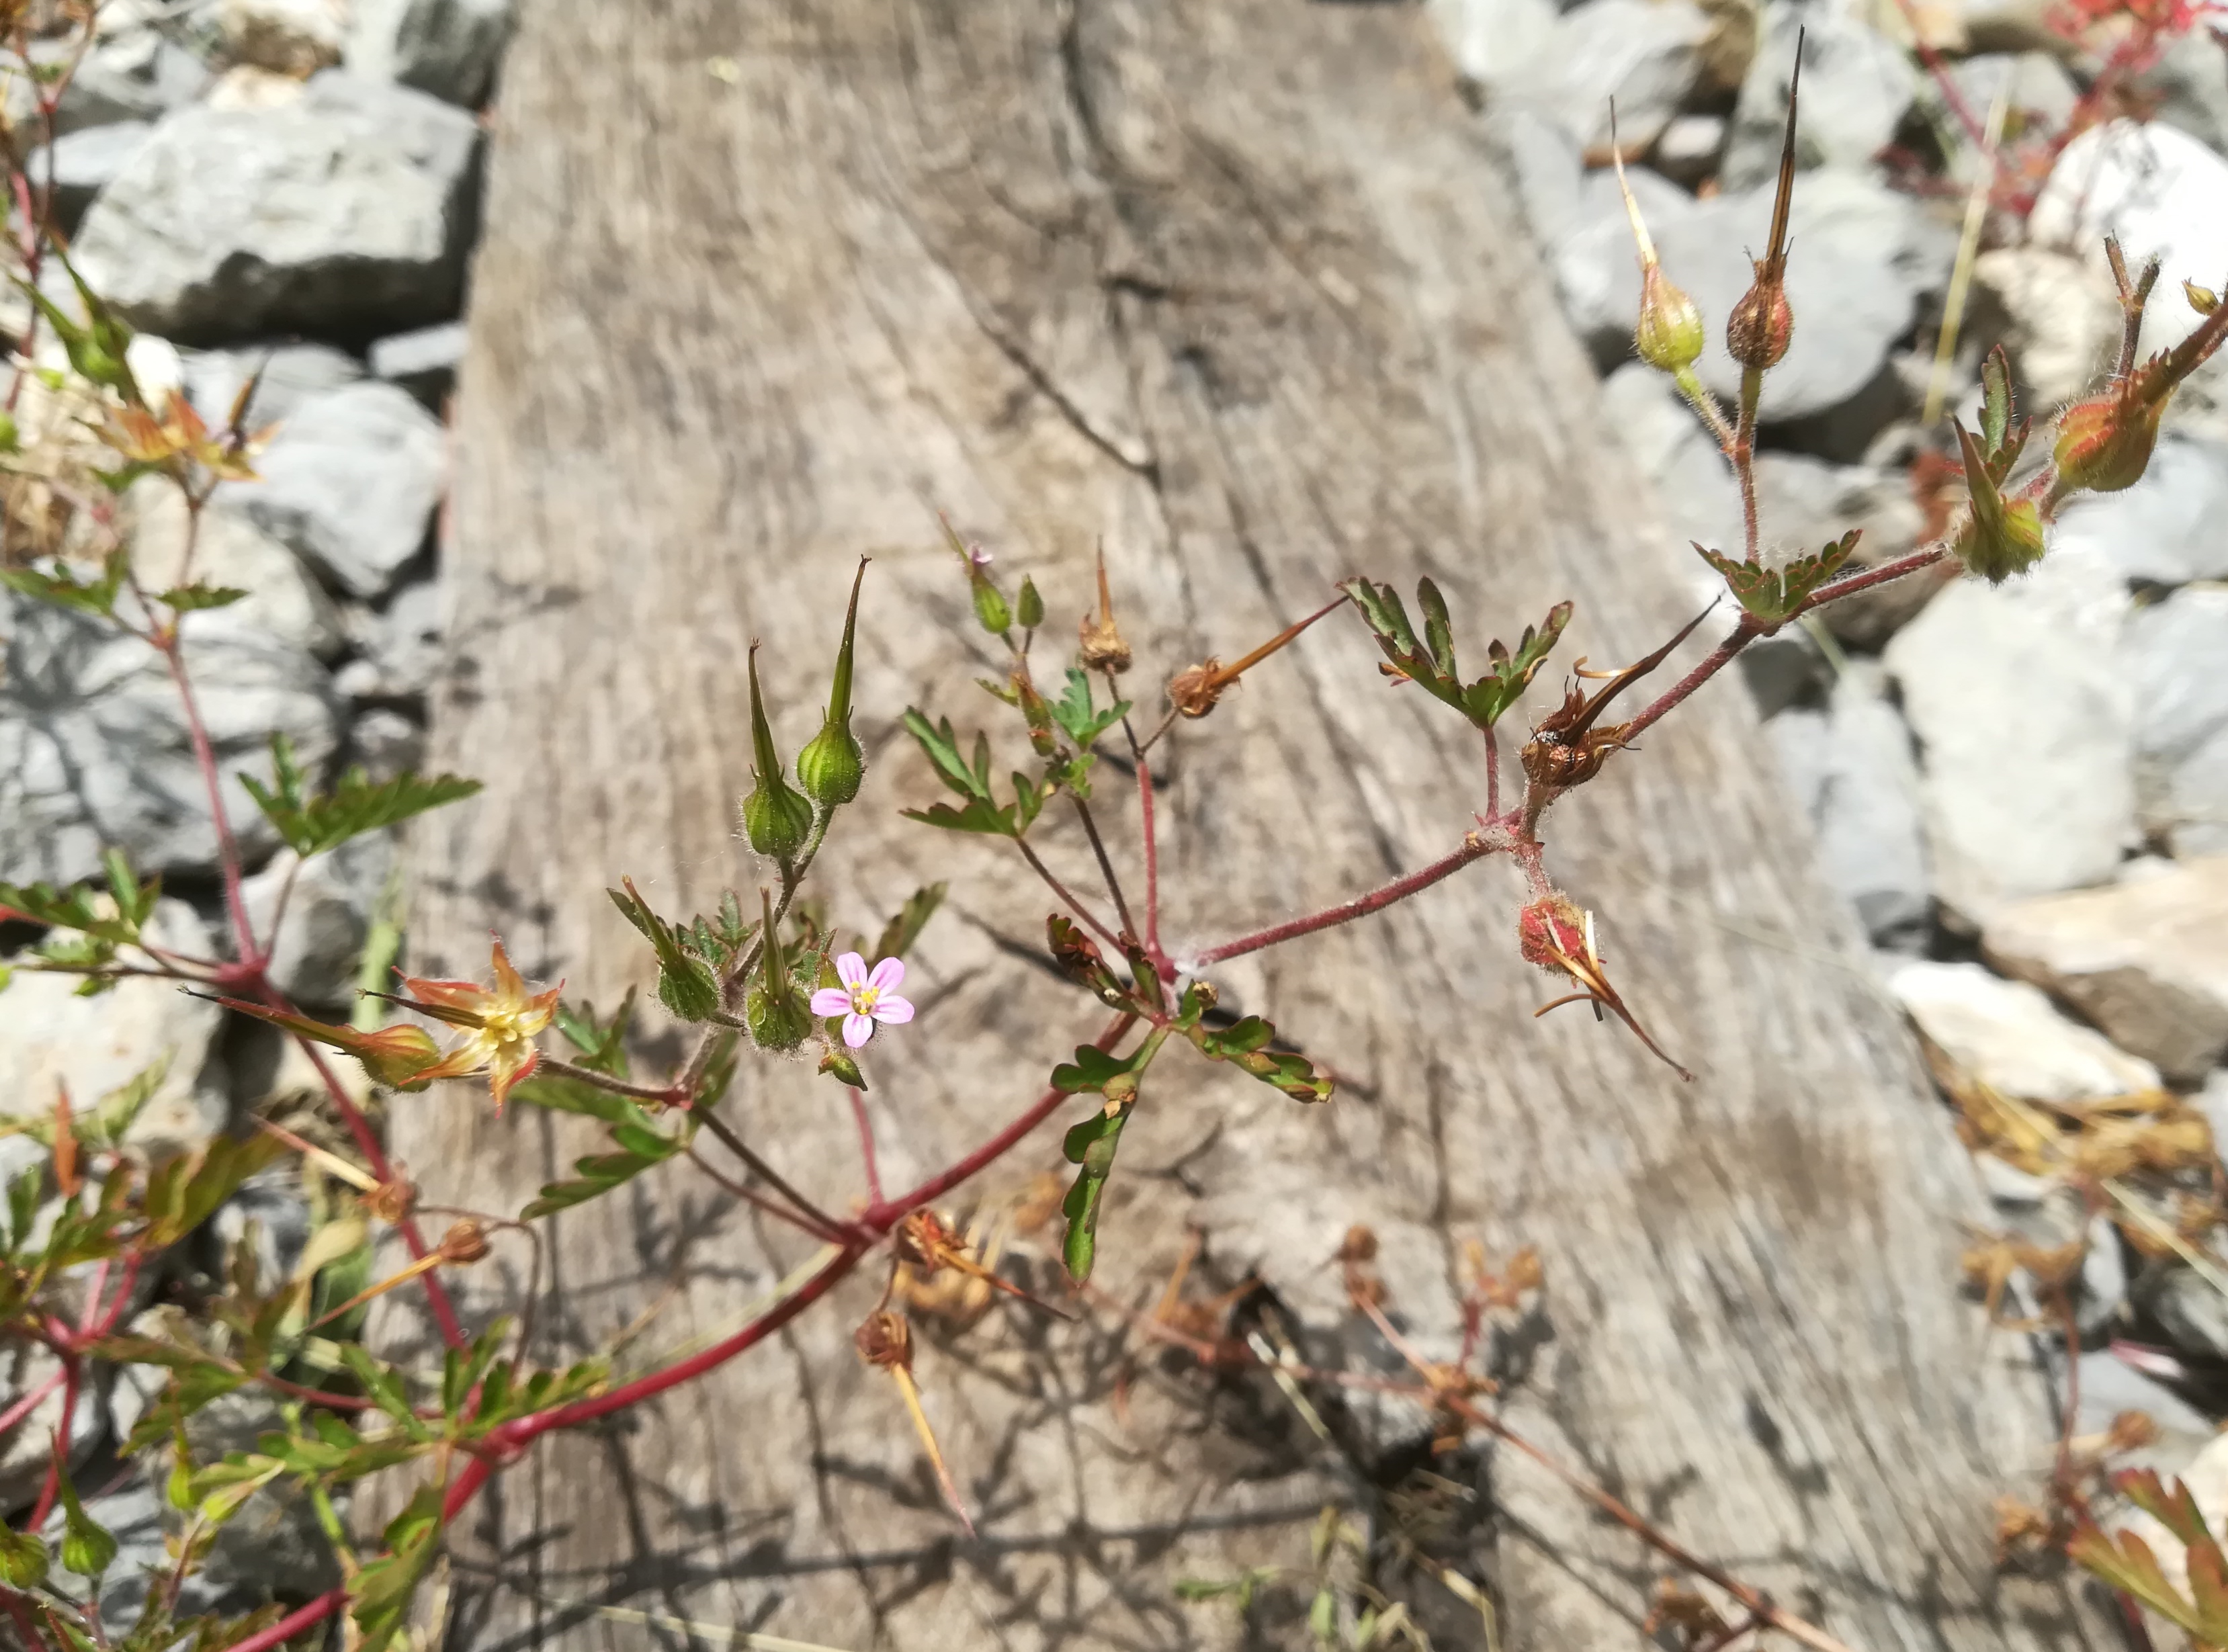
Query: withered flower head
x=464 y=1242
x=394 y=1200
x=1196 y=692
x=1103 y=648
x=885 y=1339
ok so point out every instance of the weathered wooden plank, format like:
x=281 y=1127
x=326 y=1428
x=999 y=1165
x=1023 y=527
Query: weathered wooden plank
x=1231 y=283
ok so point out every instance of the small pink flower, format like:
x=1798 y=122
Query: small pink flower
x=864 y=999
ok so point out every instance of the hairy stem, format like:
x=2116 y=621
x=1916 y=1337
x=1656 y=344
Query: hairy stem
x=1105 y=864
x=1718 y=659
x=1066 y=896
x=1472 y=848
x=826 y=1226
x=866 y=1145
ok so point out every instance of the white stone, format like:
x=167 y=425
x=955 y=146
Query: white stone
x=345 y=213
x=319 y=945
x=1488 y=39
x=2064 y=321
x=282 y=603
x=2026 y=730
x=350 y=481
x=2146 y=961
x=1857 y=86
x=1644 y=55
x=2162 y=192
x=1851 y=768
x=447 y=47
x=95 y=750
x=2006 y=1034
x=51 y=1039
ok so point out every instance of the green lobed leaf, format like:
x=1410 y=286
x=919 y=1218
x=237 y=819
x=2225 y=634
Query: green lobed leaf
x=685 y=984
x=381 y=1593
x=979 y=815
x=1245 y=1044
x=189 y=598
x=356 y=805
x=902 y=932
x=943 y=749
x=1073 y=712
x=1508 y=675
x=2130 y=1566
x=601 y=1045
x=1090 y=1146
x=1773 y=596
x=641 y=1146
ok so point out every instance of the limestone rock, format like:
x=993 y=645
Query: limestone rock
x=52 y=1039
x=1644 y=55
x=447 y=47
x=2146 y=961
x=1851 y=767
x=2026 y=733
x=345 y=214
x=2006 y=1034
x=290 y=37
x=2173 y=655
x=350 y=483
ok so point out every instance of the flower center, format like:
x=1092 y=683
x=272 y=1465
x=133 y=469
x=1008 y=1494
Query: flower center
x=862 y=1000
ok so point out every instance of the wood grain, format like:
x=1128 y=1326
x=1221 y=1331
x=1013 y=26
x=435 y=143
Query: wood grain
x=1234 y=286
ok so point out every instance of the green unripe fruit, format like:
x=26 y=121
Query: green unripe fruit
x=831 y=765
x=780 y=1020
x=777 y=821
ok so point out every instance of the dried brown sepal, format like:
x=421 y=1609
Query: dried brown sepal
x=1546 y=930
x=2021 y=1529
x=1194 y=692
x=925 y=1242
x=1762 y=324
x=885 y=1339
x=1102 y=645
x=2130 y=1430
x=465 y=1242
x=393 y=1200
x=1506 y=1290
x=1690 y=1617
x=1566 y=748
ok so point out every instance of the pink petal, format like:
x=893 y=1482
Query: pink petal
x=888 y=976
x=857 y=1030
x=892 y=1011
x=831 y=1001
x=851 y=969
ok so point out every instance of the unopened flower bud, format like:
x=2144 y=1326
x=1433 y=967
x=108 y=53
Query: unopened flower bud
x=2104 y=445
x=1669 y=335
x=1761 y=326
x=776 y=820
x=2203 y=300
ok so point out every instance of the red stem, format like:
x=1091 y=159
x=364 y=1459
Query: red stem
x=33 y=1641
x=866 y=1145
x=1152 y=862
x=1360 y=906
x=52 y=1487
x=1718 y=659
x=294 y=1623
x=367 y=1141
x=205 y=759
x=29 y=1403
x=888 y=1214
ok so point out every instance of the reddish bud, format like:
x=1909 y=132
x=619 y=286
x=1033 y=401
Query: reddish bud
x=1550 y=926
x=1762 y=324
x=885 y=1339
x=464 y=1242
x=2105 y=444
